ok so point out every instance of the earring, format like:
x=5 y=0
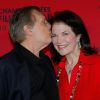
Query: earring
x=79 y=45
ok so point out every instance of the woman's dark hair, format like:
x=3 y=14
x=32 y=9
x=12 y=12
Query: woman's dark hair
x=75 y=22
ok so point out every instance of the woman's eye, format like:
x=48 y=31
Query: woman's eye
x=65 y=33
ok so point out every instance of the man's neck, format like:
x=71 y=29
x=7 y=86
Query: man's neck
x=32 y=48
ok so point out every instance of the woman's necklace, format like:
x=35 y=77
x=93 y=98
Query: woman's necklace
x=76 y=80
x=58 y=75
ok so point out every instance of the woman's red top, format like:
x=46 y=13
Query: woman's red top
x=88 y=87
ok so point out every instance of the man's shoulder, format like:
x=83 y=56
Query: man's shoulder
x=8 y=56
x=7 y=59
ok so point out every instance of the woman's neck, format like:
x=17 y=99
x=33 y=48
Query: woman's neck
x=72 y=60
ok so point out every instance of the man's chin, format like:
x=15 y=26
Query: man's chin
x=48 y=43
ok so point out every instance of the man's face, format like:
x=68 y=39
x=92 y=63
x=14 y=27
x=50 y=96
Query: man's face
x=41 y=29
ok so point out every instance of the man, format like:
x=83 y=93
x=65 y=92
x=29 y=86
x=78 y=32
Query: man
x=26 y=73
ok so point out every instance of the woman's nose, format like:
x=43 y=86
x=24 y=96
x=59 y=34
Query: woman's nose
x=59 y=39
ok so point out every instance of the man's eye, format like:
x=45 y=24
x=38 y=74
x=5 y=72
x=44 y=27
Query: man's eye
x=45 y=22
x=53 y=35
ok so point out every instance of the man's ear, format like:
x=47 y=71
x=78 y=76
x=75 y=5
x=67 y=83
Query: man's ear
x=27 y=29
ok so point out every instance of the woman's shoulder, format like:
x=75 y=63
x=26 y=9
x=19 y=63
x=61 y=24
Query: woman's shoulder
x=90 y=59
x=95 y=57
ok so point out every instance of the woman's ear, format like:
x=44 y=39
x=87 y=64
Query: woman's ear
x=78 y=37
x=78 y=40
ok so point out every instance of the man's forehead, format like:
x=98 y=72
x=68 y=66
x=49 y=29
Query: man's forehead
x=37 y=15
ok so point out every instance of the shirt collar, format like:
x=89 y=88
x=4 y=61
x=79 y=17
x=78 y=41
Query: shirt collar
x=27 y=55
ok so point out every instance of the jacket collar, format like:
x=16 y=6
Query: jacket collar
x=87 y=59
x=83 y=59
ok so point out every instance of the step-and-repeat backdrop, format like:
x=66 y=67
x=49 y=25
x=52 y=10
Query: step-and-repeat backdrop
x=89 y=10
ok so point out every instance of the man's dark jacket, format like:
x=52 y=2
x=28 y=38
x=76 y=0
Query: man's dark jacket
x=23 y=80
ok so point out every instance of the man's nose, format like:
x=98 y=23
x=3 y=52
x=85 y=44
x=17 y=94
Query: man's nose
x=49 y=26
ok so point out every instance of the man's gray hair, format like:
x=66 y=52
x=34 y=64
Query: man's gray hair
x=20 y=18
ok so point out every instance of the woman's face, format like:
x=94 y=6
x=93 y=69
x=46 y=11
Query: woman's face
x=64 y=39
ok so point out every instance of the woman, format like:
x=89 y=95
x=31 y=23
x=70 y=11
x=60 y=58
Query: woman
x=77 y=64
